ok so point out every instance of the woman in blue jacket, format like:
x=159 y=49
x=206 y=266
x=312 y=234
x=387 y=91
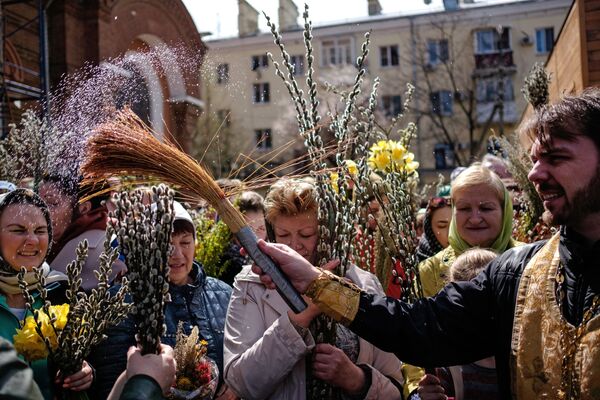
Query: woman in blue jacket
x=196 y=300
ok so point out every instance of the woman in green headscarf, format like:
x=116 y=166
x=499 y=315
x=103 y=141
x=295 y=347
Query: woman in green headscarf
x=482 y=216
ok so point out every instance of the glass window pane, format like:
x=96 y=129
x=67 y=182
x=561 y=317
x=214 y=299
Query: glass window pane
x=432 y=52
x=549 y=39
x=384 y=56
x=443 y=50
x=394 y=58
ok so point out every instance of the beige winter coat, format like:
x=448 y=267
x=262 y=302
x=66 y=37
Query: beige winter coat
x=264 y=354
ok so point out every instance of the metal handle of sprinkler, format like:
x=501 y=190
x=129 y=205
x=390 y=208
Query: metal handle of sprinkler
x=291 y=296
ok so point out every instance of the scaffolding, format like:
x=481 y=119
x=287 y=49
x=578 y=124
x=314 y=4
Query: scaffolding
x=24 y=66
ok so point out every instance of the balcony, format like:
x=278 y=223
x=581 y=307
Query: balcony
x=484 y=111
x=494 y=60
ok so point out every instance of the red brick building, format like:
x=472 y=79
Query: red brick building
x=90 y=31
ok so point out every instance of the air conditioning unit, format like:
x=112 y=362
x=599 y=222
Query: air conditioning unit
x=526 y=40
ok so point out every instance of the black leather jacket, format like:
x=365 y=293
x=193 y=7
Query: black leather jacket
x=469 y=321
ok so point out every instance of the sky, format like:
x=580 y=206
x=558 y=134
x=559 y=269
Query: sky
x=219 y=17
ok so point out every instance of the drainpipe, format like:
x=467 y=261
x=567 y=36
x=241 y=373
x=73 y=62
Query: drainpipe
x=413 y=56
x=44 y=52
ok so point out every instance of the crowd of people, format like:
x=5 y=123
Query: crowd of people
x=499 y=318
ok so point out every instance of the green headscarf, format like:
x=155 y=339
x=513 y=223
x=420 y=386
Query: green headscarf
x=502 y=242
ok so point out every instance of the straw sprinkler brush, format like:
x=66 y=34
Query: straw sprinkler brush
x=126 y=146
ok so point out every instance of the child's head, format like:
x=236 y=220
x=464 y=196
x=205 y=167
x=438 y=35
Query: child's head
x=470 y=263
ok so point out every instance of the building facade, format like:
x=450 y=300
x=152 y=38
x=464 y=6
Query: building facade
x=462 y=60
x=574 y=62
x=44 y=40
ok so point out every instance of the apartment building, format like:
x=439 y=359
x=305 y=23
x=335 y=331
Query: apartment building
x=467 y=62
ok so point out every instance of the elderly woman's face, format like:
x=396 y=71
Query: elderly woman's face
x=61 y=208
x=300 y=232
x=478 y=212
x=23 y=236
x=182 y=258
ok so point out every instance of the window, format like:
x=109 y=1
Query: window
x=391 y=105
x=443 y=155
x=490 y=41
x=298 y=63
x=487 y=89
x=261 y=61
x=437 y=51
x=441 y=102
x=389 y=56
x=224 y=118
x=222 y=73
x=337 y=52
x=260 y=93
x=544 y=40
x=263 y=139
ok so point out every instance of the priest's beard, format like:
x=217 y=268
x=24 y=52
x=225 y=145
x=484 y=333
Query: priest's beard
x=584 y=202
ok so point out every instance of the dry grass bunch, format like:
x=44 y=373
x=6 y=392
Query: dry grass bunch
x=126 y=146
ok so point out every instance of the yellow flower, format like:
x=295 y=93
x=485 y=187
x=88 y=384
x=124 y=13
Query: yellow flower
x=380 y=160
x=28 y=341
x=411 y=166
x=352 y=168
x=184 y=383
x=60 y=312
x=333 y=178
x=379 y=146
x=398 y=152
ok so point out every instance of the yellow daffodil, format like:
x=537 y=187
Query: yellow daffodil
x=60 y=312
x=398 y=153
x=411 y=166
x=28 y=341
x=333 y=178
x=380 y=160
x=391 y=156
x=352 y=167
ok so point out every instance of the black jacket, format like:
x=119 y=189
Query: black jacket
x=469 y=321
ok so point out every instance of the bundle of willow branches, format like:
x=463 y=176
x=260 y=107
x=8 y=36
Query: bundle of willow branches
x=529 y=226
x=342 y=195
x=144 y=236
x=24 y=151
x=89 y=315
